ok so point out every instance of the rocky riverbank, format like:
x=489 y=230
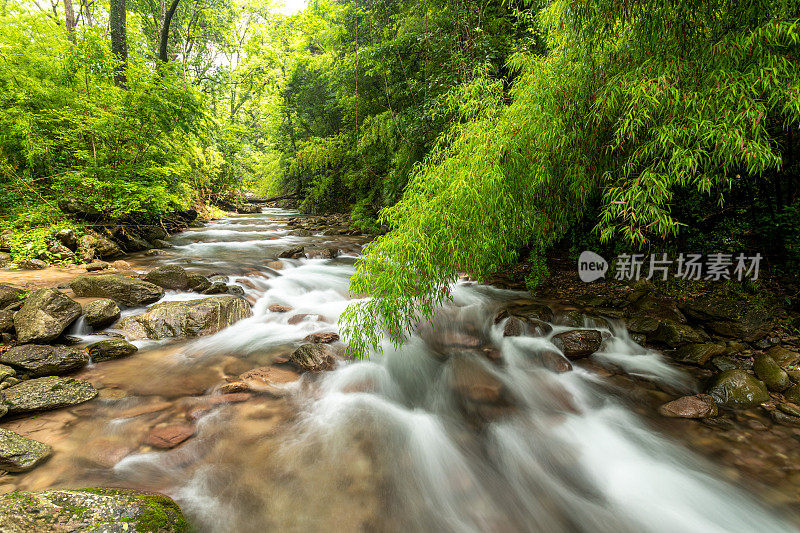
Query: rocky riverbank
x=742 y=357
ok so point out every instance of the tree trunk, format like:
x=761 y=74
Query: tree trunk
x=87 y=14
x=164 y=37
x=69 y=18
x=119 y=40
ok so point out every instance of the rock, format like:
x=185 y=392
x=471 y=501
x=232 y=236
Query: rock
x=698 y=354
x=783 y=356
x=110 y=349
x=169 y=277
x=6 y=372
x=471 y=381
x=296 y=319
x=19 y=454
x=38 y=360
x=248 y=209
x=197 y=283
x=578 y=343
x=292 y=253
x=127 y=291
x=322 y=338
x=44 y=316
x=5 y=259
x=191 y=318
x=697 y=406
x=730 y=317
x=101 y=313
x=5 y=240
x=235 y=290
x=10 y=296
x=166 y=437
x=674 y=334
x=32 y=264
x=792 y=394
x=527 y=310
x=458 y=339
x=68 y=238
x=6 y=321
x=642 y=324
x=44 y=394
x=98 y=510
x=723 y=363
x=514 y=327
x=217 y=287
x=92 y=246
x=275 y=265
x=553 y=361
x=300 y=233
x=737 y=389
x=771 y=373
x=268 y=379
x=321 y=253
x=61 y=251
x=94 y=266
x=78 y=209
x=153 y=233
x=119 y=264
x=314 y=357
x=790 y=409
x=159 y=243
x=276 y=308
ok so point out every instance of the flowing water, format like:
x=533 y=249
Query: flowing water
x=400 y=442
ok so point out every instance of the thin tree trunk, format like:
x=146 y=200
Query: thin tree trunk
x=164 y=37
x=119 y=40
x=69 y=18
x=87 y=14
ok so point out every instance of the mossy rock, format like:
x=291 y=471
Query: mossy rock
x=45 y=314
x=736 y=389
x=771 y=373
x=44 y=394
x=110 y=349
x=107 y=510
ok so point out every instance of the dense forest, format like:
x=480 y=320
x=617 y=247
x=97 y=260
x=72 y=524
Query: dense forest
x=469 y=135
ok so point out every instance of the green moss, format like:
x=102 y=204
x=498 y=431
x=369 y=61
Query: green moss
x=160 y=512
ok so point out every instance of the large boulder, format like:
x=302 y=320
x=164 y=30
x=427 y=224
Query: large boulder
x=92 y=246
x=61 y=252
x=169 y=277
x=41 y=360
x=730 y=317
x=127 y=291
x=10 y=296
x=578 y=343
x=110 y=349
x=101 y=313
x=44 y=394
x=314 y=357
x=68 y=238
x=44 y=316
x=191 y=318
x=20 y=454
x=100 y=510
x=738 y=390
x=771 y=373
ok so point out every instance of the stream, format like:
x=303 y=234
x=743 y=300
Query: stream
x=387 y=444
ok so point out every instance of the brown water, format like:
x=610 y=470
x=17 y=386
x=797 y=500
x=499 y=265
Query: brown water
x=390 y=444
